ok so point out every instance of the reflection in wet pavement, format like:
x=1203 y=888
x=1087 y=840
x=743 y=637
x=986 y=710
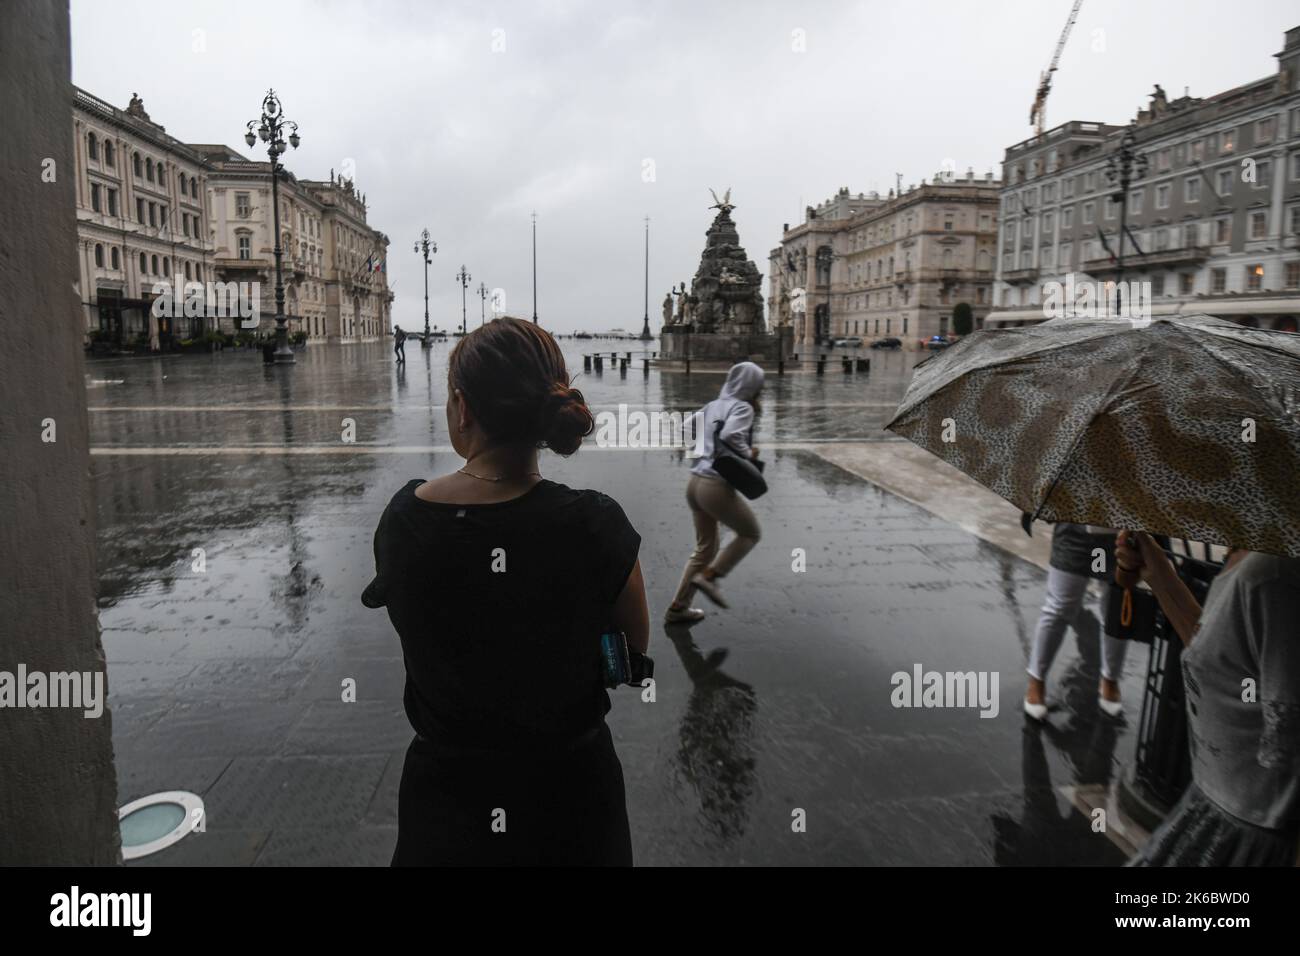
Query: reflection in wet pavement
x=226 y=680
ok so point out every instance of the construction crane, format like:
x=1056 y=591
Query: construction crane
x=1038 y=112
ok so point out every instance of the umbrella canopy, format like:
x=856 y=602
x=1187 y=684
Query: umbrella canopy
x=1187 y=426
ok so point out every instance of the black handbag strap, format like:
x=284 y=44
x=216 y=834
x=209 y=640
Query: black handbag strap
x=717 y=433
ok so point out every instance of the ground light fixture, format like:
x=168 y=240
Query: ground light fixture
x=157 y=821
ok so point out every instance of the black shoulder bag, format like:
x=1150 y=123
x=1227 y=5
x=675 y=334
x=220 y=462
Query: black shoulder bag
x=742 y=473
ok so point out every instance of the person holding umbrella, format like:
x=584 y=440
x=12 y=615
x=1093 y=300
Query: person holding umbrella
x=1241 y=670
x=1186 y=426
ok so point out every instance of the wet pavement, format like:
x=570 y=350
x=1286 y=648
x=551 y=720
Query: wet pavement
x=226 y=681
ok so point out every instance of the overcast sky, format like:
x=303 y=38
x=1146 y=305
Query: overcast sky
x=580 y=103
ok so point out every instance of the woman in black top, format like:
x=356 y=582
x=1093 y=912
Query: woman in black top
x=499 y=584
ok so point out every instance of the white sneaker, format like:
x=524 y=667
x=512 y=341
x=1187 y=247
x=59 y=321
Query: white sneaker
x=1036 y=712
x=709 y=588
x=685 y=615
x=1111 y=708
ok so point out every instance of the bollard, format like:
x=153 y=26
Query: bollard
x=586 y=363
x=622 y=369
x=821 y=366
x=864 y=365
x=780 y=366
x=645 y=368
x=600 y=363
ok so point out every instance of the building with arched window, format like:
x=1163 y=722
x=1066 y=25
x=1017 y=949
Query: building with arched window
x=129 y=228
x=171 y=212
x=891 y=266
x=334 y=265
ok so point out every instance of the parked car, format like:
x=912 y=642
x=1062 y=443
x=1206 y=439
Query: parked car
x=937 y=342
x=889 y=343
x=851 y=342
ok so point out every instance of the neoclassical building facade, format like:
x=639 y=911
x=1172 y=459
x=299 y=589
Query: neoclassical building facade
x=334 y=265
x=1213 y=225
x=141 y=219
x=151 y=209
x=887 y=267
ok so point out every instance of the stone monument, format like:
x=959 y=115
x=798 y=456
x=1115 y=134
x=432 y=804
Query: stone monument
x=721 y=318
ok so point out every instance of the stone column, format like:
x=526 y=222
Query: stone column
x=58 y=790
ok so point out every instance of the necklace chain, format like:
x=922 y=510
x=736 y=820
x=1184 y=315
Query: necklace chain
x=470 y=474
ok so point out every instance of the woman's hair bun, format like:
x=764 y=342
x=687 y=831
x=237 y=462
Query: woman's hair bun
x=567 y=420
x=511 y=373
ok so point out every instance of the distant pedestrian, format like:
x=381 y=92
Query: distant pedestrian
x=1075 y=554
x=712 y=500
x=399 y=343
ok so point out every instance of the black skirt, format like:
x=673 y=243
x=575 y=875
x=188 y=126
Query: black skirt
x=564 y=806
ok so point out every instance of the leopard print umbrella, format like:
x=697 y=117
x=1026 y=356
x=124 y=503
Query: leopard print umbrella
x=1187 y=426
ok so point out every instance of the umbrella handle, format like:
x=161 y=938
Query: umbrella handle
x=1127 y=578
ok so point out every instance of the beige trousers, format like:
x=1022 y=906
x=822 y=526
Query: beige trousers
x=712 y=500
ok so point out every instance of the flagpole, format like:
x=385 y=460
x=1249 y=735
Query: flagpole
x=534 y=268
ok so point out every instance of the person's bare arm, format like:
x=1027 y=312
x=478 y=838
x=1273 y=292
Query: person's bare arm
x=631 y=616
x=1135 y=550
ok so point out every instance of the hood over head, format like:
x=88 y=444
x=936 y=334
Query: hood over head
x=744 y=381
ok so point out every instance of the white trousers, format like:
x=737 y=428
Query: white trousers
x=1064 y=600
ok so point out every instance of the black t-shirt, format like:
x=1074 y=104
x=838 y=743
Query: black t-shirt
x=500 y=608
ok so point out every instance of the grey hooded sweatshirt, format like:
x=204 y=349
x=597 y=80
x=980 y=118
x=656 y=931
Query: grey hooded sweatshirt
x=732 y=407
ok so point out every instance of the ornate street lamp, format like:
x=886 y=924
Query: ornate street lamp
x=463 y=276
x=270 y=130
x=427 y=246
x=482 y=304
x=1124 y=167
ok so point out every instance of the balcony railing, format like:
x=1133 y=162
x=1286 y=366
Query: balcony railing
x=1185 y=255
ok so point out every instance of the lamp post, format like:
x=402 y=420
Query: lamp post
x=645 y=322
x=428 y=247
x=482 y=303
x=463 y=276
x=1124 y=167
x=534 y=268
x=270 y=129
